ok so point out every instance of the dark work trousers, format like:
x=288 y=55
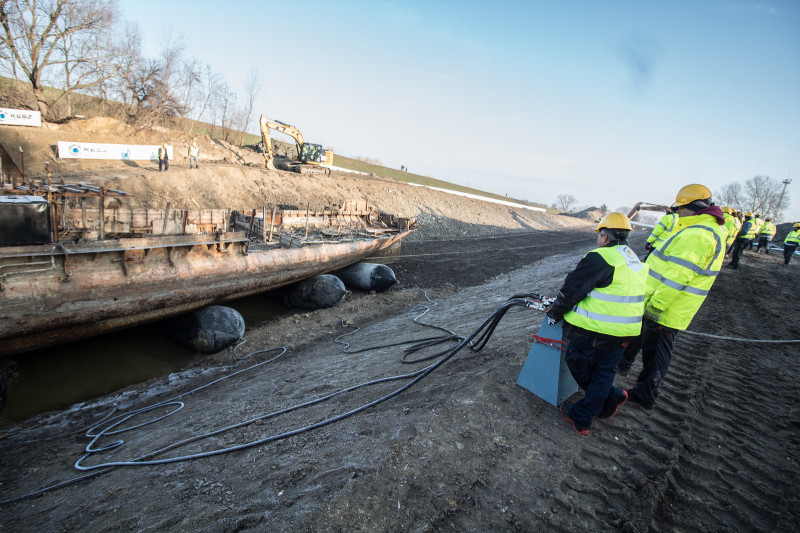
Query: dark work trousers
x=788 y=251
x=763 y=242
x=593 y=364
x=163 y=162
x=656 y=344
x=738 y=247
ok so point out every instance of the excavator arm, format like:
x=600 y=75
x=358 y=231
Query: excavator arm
x=642 y=206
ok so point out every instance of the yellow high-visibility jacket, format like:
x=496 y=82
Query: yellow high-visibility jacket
x=748 y=230
x=617 y=309
x=732 y=227
x=793 y=238
x=767 y=230
x=683 y=270
x=665 y=227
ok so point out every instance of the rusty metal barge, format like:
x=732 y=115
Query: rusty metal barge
x=107 y=268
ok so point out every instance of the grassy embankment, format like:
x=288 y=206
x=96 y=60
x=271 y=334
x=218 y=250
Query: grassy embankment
x=15 y=93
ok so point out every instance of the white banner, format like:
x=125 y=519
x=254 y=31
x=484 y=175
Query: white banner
x=20 y=117
x=74 y=150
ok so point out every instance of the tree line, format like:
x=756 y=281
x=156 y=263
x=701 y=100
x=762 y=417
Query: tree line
x=84 y=47
x=760 y=194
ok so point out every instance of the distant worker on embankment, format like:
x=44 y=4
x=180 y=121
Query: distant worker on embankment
x=602 y=301
x=163 y=158
x=681 y=273
x=194 y=154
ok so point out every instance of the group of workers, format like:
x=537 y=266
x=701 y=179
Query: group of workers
x=747 y=229
x=613 y=305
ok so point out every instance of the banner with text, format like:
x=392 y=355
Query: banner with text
x=20 y=117
x=74 y=150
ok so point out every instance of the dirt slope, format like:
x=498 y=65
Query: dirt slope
x=465 y=448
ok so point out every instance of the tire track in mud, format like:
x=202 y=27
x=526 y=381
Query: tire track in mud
x=719 y=452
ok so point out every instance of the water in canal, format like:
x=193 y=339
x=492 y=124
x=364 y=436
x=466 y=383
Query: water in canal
x=61 y=376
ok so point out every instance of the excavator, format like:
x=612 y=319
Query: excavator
x=311 y=158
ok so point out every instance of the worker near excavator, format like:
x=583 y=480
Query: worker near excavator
x=765 y=235
x=790 y=243
x=602 y=302
x=194 y=154
x=665 y=227
x=731 y=226
x=681 y=273
x=743 y=240
x=163 y=158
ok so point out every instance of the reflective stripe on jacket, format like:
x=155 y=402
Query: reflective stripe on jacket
x=748 y=230
x=793 y=238
x=732 y=227
x=665 y=227
x=617 y=309
x=768 y=229
x=684 y=269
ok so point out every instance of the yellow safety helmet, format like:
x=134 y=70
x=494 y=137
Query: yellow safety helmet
x=690 y=193
x=796 y=225
x=726 y=210
x=748 y=214
x=758 y=215
x=614 y=221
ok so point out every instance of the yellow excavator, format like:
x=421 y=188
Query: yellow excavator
x=311 y=158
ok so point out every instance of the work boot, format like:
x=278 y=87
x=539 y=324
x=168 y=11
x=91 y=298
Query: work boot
x=647 y=406
x=566 y=412
x=731 y=265
x=611 y=408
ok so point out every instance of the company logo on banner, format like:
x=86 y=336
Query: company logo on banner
x=138 y=152
x=20 y=117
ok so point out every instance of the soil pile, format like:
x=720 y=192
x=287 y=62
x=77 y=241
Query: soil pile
x=459 y=448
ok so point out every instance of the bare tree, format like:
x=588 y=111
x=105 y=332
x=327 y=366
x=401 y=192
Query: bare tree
x=565 y=203
x=191 y=84
x=730 y=195
x=152 y=87
x=759 y=194
x=252 y=89
x=39 y=35
x=225 y=109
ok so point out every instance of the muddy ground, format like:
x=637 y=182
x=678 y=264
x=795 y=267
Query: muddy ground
x=461 y=449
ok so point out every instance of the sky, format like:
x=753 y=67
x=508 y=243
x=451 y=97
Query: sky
x=612 y=102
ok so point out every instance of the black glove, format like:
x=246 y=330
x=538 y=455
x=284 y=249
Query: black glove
x=552 y=319
x=649 y=247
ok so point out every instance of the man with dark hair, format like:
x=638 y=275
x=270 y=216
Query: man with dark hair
x=602 y=304
x=681 y=273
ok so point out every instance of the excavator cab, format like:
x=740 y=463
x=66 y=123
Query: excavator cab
x=312 y=153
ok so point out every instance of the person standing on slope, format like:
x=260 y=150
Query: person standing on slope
x=681 y=273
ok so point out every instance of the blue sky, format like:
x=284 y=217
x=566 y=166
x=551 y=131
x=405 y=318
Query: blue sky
x=613 y=102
